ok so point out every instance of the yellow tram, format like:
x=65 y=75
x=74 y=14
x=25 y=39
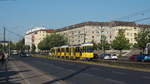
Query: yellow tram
x=82 y=51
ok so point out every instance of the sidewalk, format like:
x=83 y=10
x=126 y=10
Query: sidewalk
x=9 y=75
x=18 y=72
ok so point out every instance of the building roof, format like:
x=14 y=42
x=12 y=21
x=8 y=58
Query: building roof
x=112 y=23
x=47 y=30
x=143 y=25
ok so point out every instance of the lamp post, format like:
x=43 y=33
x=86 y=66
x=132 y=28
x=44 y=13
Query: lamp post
x=84 y=35
x=4 y=40
x=102 y=39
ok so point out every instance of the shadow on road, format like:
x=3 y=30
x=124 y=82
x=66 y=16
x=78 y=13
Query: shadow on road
x=69 y=76
x=9 y=77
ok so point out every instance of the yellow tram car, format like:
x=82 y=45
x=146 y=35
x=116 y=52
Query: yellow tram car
x=82 y=51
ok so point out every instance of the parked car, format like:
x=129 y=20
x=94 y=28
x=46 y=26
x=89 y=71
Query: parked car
x=133 y=57
x=140 y=57
x=107 y=56
x=28 y=54
x=104 y=56
x=23 y=54
x=95 y=56
x=114 y=57
x=143 y=57
x=147 y=58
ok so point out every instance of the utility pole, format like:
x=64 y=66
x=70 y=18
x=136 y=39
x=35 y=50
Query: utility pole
x=9 y=49
x=101 y=38
x=4 y=39
x=84 y=35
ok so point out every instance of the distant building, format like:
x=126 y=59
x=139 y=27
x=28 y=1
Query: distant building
x=36 y=35
x=4 y=43
x=94 y=31
x=88 y=32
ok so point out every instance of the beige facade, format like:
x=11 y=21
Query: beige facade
x=93 y=31
x=37 y=36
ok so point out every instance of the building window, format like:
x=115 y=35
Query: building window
x=92 y=36
x=110 y=37
x=127 y=34
x=135 y=34
x=134 y=27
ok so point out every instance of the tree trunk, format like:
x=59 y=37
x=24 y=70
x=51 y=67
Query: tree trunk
x=120 y=53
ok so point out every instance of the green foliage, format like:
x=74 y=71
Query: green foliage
x=1 y=47
x=27 y=47
x=104 y=44
x=120 y=42
x=33 y=48
x=51 y=41
x=142 y=39
x=20 y=45
x=11 y=45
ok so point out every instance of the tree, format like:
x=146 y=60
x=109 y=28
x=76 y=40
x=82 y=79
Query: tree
x=142 y=39
x=53 y=40
x=95 y=46
x=20 y=45
x=33 y=48
x=103 y=45
x=120 y=43
x=1 y=47
x=27 y=47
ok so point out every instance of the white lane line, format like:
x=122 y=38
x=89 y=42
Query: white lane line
x=115 y=81
x=22 y=76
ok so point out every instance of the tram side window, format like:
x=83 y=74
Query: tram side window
x=58 y=50
x=62 y=49
x=84 y=49
x=89 y=49
x=77 y=49
x=67 y=49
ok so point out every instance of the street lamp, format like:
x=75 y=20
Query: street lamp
x=84 y=35
x=103 y=40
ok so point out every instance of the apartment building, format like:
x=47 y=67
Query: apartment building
x=36 y=36
x=40 y=35
x=94 y=31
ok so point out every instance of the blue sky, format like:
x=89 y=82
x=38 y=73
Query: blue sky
x=19 y=15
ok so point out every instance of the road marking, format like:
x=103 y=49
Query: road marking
x=115 y=81
x=22 y=76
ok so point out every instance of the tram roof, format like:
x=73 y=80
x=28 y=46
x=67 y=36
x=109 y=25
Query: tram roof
x=87 y=44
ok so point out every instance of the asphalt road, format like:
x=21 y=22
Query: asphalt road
x=81 y=73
